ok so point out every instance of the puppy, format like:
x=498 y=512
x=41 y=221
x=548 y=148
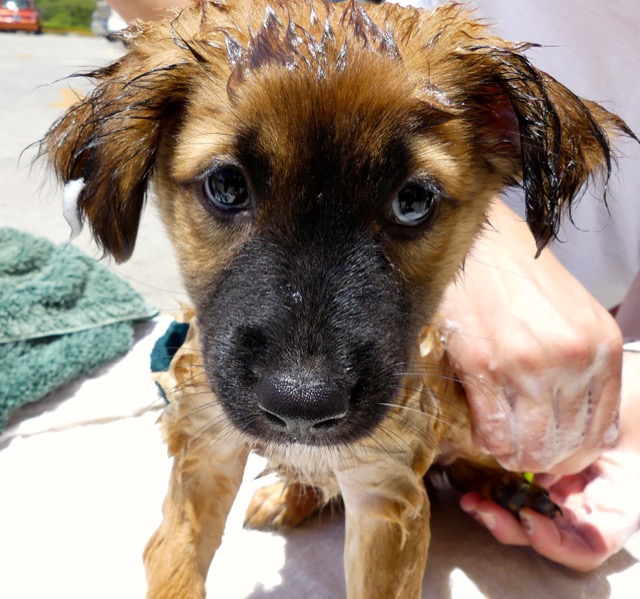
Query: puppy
x=322 y=169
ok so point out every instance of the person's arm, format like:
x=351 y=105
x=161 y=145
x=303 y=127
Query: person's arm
x=628 y=315
x=147 y=10
x=600 y=503
x=538 y=356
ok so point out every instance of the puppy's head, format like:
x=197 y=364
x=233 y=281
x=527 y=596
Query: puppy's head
x=322 y=170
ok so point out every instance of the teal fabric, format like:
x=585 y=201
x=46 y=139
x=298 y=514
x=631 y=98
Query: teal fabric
x=61 y=316
x=165 y=348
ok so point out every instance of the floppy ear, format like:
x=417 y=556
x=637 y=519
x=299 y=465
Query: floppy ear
x=552 y=140
x=110 y=139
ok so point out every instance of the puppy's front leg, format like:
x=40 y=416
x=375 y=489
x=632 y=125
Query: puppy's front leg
x=387 y=531
x=202 y=487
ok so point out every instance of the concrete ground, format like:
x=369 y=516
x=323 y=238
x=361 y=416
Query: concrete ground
x=34 y=91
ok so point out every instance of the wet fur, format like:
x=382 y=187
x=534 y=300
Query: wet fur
x=328 y=110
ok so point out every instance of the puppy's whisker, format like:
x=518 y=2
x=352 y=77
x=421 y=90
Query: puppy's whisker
x=189 y=395
x=186 y=389
x=220 y=433
x=189 y=381
x=189 y=414
x=442 y=416
x=494 y=391
x=157 y=404
x=353 y=459
x=190 y=349
x=396 y=439
x=423 y=407
x=212 y=406
x=474 y=381
x=406 y=423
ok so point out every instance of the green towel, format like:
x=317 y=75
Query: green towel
x=61 y=316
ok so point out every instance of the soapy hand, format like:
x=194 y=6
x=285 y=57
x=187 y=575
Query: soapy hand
x=601 y=504
x=538 y=357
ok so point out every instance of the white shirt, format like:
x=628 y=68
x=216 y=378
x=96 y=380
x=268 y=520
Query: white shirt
x=593 y=48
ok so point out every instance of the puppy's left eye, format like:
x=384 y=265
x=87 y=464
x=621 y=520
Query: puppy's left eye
x=413 y=204
x=226 y=190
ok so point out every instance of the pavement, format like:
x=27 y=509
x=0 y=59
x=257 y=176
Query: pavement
x=35 y=90
x=83 y=472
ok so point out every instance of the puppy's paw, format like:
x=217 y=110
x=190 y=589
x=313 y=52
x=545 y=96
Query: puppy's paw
x=514 y=492
x=510 y=490
x=281 y=506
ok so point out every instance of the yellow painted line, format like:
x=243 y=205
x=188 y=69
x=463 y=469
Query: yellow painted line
x=24 y=56
x=68 y=98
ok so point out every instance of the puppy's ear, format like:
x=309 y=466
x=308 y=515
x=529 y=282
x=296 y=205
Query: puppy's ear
x=536 y=131
x=110 y=139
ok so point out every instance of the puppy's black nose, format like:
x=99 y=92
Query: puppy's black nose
x=302 y=404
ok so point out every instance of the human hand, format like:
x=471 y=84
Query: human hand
x=600 y=505
x=601 y=510
x=538 y=357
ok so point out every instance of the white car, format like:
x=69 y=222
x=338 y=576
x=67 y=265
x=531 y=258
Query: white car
x=106 y=22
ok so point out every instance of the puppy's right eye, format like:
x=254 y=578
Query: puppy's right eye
x=226 y=190
x=414 y=204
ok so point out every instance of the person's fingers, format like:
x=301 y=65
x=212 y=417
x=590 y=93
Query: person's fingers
x=528 y=421
x=598 y=409
x=498 y=521
x=582 y=550
x=490 y=410
x=491 y=417
x=555 y=407
x=527 y=429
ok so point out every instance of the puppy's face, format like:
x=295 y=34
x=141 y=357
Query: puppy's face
x=322 y=171
x=318 y=217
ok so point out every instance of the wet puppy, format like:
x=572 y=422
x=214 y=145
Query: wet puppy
x=322 y=169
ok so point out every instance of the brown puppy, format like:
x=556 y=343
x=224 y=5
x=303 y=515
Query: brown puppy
x=322 y=169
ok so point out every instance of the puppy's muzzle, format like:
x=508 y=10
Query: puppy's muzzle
x=302 y=404
x=303 y=341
